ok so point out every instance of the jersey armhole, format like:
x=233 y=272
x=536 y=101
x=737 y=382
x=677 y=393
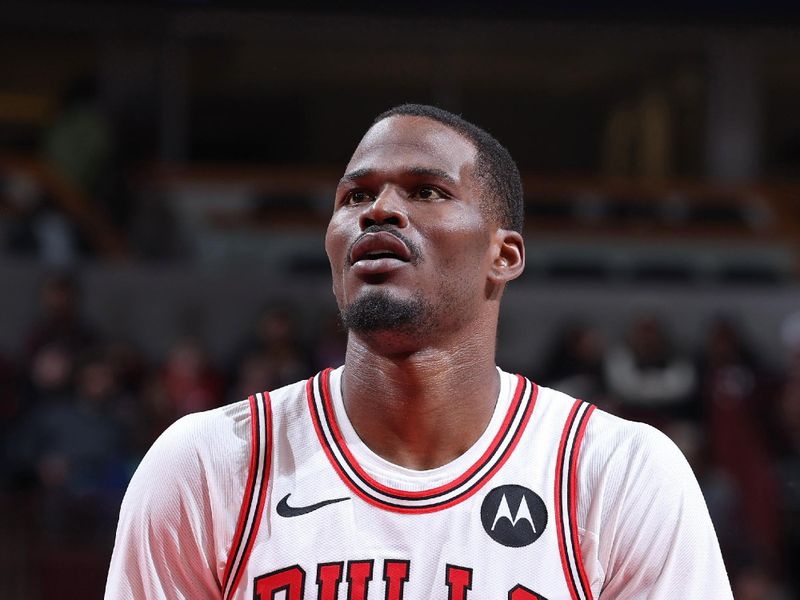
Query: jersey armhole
x=566 y=494
x=254 y=493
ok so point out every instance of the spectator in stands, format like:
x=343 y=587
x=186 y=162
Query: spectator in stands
x=60 y=320
x=274 y=355
x=80 y=146
x=50 y=376
x=726 y=355
x=575 y=363
x=79 y=141
x=276 y=338
x=652 y=381
x=38 y=228
x=47 y=383
x=74 y=453
x=736 y=405
x=156 y=411
x=129 y=364
x=190 y=382
x=757 y=583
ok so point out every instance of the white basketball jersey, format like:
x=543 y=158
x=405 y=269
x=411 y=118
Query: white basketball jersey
x=325 y=518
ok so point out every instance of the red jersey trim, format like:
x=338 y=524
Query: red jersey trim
x=258 y=476
x=248 y=493
x=565 y=493
x=321 y=408
x=573 y=502
x=340 y=442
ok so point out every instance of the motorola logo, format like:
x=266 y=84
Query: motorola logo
x=513 y=515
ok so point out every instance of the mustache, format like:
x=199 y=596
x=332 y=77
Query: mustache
x=416 y=254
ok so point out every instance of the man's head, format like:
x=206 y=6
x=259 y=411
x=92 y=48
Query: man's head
x=423 y=237
x=494 y=167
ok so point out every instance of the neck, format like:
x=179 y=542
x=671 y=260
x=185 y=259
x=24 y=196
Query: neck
x=420 y=408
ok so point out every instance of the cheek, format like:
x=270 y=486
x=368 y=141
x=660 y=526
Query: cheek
x=334 y=248
x=330 y=234
x=465 y=247
x=335 y=243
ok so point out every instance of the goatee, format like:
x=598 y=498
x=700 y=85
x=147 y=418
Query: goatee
x=378 y=311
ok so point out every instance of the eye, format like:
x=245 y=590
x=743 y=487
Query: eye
x=428 y=192
x=357 y=197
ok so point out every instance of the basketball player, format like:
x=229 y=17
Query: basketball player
x=419 y=469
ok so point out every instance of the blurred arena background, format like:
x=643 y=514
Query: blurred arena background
x=166 y=173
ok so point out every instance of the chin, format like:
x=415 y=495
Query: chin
x=379 y=311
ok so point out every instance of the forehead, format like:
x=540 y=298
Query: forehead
x=398 y=143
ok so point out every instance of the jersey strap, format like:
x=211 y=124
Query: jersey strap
x=430 y=500
x=254 y=493
x=566 y=494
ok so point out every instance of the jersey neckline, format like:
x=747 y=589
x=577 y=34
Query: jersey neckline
x=462 y=477
x=405 y=478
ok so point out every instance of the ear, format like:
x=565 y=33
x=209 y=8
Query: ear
x=508 y=261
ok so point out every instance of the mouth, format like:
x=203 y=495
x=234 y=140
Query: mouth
x=379 y=246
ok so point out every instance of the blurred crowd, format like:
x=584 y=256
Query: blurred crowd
x=78 y=411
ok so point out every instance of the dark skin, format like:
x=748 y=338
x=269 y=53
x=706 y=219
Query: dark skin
x=420 y=396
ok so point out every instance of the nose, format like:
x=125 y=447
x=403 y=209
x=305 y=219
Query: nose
x=386 y=209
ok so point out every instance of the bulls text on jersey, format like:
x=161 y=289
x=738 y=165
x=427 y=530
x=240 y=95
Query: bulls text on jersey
x=360 y=574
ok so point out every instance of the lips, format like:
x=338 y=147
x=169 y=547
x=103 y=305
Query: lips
x=377 y=246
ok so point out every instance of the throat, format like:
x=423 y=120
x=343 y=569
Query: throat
x=422 y=444
x=419 y=422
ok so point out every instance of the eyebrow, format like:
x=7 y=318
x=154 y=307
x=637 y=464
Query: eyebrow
x=412 y=171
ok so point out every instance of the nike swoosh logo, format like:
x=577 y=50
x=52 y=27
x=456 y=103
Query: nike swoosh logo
x=284 y=510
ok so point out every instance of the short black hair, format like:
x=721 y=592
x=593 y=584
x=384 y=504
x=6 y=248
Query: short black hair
x=494 y=166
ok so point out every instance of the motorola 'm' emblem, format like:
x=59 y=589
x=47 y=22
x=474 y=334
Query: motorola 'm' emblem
x=513 y=515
